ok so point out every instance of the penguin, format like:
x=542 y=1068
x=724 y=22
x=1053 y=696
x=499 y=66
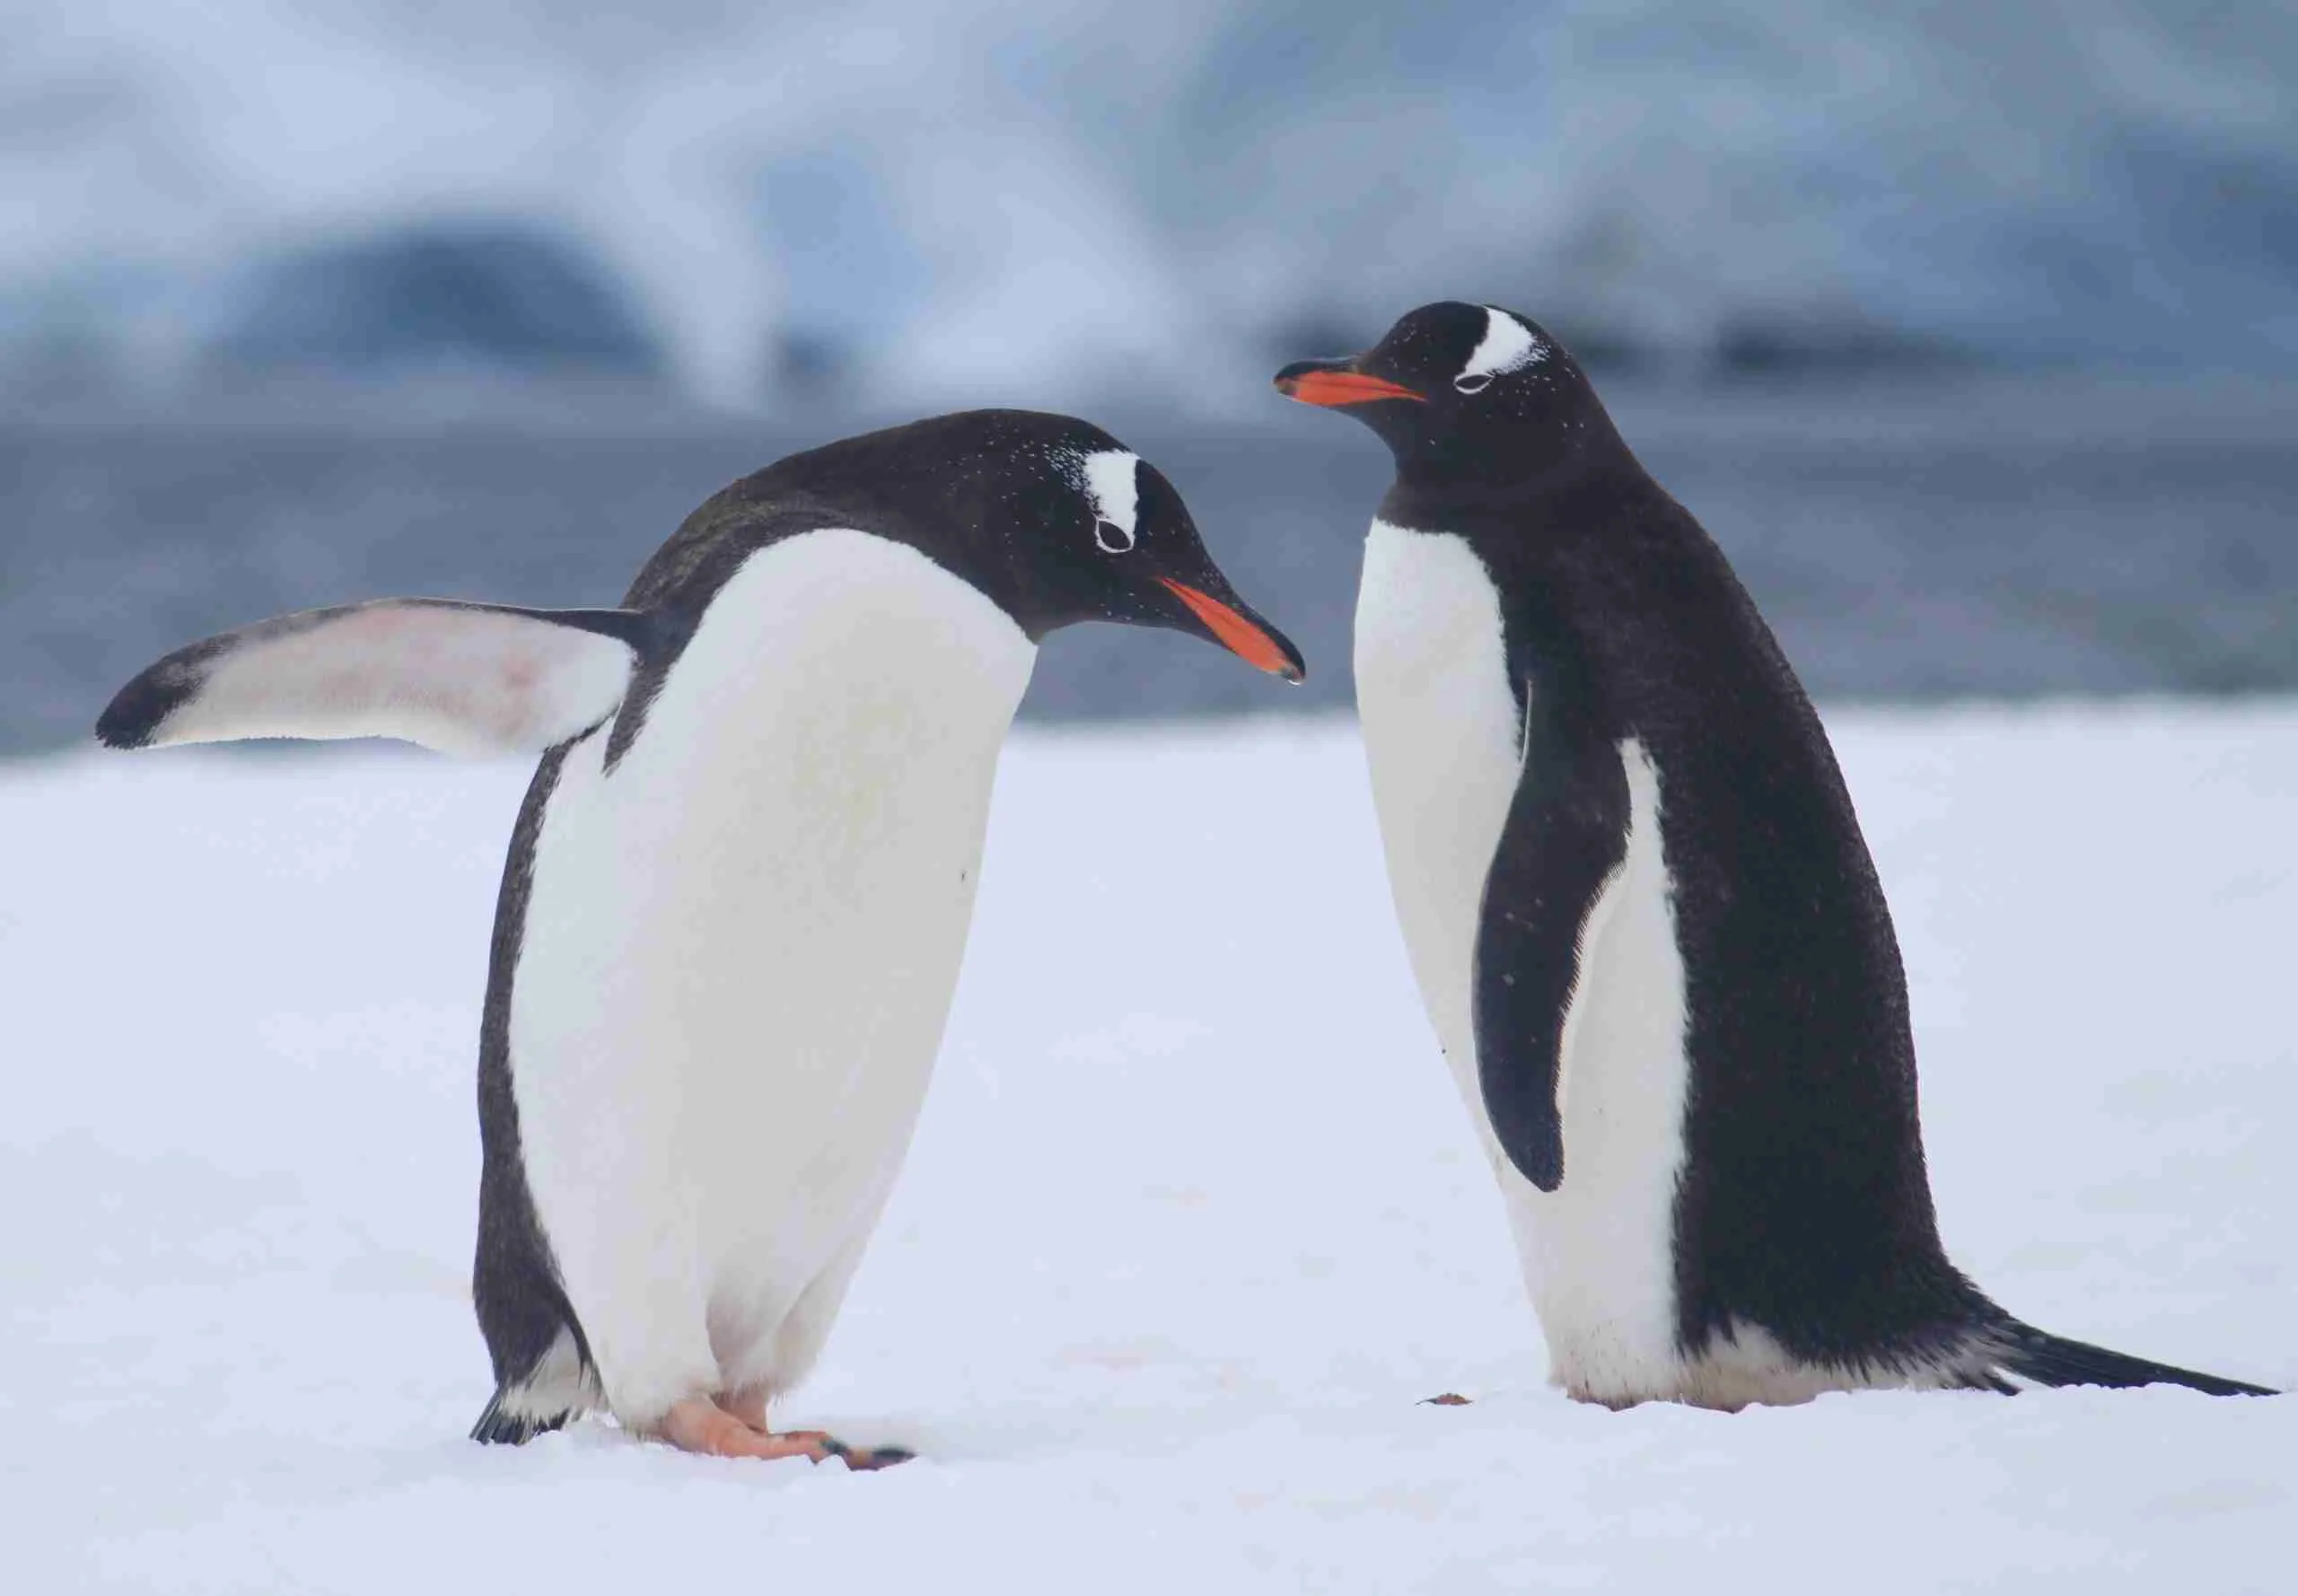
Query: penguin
x=1644 y=923
x=736 y=896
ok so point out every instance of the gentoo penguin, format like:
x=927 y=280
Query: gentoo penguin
x=1640 y=912
x=737 y=894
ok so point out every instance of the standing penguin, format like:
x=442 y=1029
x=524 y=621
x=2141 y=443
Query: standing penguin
x=738 y=891
x=1641 y=916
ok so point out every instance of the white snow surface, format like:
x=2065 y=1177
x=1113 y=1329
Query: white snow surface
x=1193 y=1221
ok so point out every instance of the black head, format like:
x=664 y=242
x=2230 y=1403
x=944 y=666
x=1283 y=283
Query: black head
x=1463 y=390
x=1051 y=518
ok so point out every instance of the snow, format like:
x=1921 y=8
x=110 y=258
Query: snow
x=1192 y=1224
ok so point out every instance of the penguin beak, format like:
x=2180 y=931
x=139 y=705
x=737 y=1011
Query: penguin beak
x=1336 y=382
x=1235 y=627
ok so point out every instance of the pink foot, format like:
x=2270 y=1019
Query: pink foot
x=700 y=1426
x=748 y=1409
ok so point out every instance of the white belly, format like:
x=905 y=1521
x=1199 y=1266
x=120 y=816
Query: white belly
x=1441 y=735
x=740 y=949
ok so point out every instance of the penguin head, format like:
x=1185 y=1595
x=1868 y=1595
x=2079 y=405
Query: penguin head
x=1109 y=539
x=1458 y=386
x=1056 y=522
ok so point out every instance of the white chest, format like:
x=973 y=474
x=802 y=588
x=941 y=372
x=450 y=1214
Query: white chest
x=1441 y=732
x=1442 y=736
x=741 y=944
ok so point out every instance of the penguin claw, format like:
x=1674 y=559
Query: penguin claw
x=867 y=1459
x=733 y=1426
x=860 y=1459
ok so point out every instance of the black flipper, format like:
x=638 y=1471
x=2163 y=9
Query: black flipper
x=2053 y=1360
x=1566 y=833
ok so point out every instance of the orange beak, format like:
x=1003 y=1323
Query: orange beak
x=1240 y=634
x=1335 y=388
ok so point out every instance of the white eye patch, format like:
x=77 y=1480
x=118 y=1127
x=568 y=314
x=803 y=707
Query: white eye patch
x=1508 y=345
x=1111 y=480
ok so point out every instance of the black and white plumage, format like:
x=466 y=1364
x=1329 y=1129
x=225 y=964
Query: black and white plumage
x=1640 y=914
x=737 y=893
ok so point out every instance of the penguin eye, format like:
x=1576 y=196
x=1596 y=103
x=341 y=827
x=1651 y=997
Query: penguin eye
x=1473 y=381
x=1108 y=481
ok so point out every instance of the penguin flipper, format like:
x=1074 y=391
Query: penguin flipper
x=2053 y=1360
x=461 y=678
x=1566 y=836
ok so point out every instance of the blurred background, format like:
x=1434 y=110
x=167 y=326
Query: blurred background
x=1971 y=328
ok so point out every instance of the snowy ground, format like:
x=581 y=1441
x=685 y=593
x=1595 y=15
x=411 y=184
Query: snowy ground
x=1191 y=1224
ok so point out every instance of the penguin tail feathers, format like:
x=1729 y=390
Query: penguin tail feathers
x=2055 y=1361
x=535 y=1395
x=511 y=1419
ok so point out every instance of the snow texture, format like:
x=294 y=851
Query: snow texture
x=1193 y=1222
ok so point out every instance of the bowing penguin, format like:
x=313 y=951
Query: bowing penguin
x=737 y=893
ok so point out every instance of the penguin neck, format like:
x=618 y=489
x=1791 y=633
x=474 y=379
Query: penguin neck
x=1515 y=470
x=1505 y=511
x=853 y=653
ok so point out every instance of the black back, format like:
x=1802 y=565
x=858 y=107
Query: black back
x=1803 y=1205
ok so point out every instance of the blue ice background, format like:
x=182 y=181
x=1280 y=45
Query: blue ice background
x=925 y=193
x=1971 y=329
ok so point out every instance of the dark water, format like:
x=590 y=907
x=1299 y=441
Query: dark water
x=1998 y=537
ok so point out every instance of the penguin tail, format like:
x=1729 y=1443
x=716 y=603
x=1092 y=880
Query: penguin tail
x=2051 y=1359
x=509 y=1420
x=555 y=1388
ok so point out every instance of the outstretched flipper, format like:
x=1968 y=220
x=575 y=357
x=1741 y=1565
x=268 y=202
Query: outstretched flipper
x=1565 y=835
x=462 y=678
